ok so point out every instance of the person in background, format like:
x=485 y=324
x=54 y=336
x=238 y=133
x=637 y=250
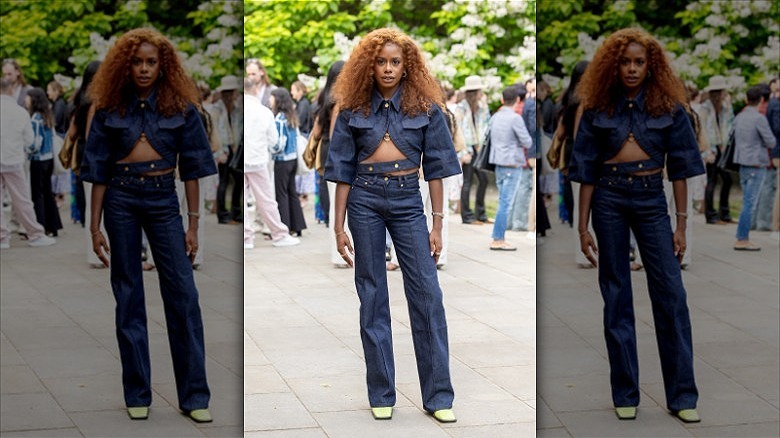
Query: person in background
x=14 y=74
x=753 y=141
x=40 y=152
x=15 y=134
x=473 y=117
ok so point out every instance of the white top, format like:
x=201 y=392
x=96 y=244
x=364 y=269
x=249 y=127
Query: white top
x=259 y=133
x=15 y=133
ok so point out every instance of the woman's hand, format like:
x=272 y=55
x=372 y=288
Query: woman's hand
x=434 y=238
x=191 y=243
x=344 y=247
x=586 y=244
x=679 y=243
x=99 y=244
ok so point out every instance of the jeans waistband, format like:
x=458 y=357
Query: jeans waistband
x=140 y=168
x=628 y=168
x=137 y=182
x=654 y=181
x=386 y=167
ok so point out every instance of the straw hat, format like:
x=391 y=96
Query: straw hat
x=228 y=82
x=717 y=82
x=473 y=82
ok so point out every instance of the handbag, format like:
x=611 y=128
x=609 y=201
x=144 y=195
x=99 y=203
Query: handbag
x=726 y=161
x=555 y=153
x=311 y=151
x=303 y=167
x=482 y=162
x=66 y=154
x=57 y=143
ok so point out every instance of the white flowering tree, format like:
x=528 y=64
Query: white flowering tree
x=57 y=39
x=736 y=39
x=297 y=39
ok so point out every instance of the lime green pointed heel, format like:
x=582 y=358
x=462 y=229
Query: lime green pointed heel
x=626 y=412
x=138 y=412
x=383 y=413
x=444 y=416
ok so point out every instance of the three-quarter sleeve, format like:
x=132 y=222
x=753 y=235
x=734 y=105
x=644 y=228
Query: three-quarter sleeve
x=195 y=157
x=95 y=163
x=439 y=159
x=683 y=159
x=584 y=154
x=341 y=163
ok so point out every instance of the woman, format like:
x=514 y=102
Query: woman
x=54 y=91
x=145 y=123
x=41 y=156
x=718 y=117
x=77 y=133
x=388 y=118
x=285 y=156
x=634 y=122
x=474 y=117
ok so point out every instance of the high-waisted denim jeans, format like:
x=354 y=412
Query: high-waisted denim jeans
x=133 y=202
x=376 y=203
x=622 y=202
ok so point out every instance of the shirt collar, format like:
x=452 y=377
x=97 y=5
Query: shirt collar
x=638 y=101
x=151 y=100
x=377 y=100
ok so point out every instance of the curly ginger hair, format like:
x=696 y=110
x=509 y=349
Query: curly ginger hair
x=601 y=89
x=113 y=88
x=356 y=81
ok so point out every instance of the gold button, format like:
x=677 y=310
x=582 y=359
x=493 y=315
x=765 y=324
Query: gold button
x=142 y=178
x=402 y=184
x=143 y=105
x=126 y=168
x=366 y=183
x=370 y=168
x=387 y=105
x=386 y=178
x=614 y=168
x=396 y=165
x=630 y=179
x=152 y=165
x=630 y=105
x=641 y=165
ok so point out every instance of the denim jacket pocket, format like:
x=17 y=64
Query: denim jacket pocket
x=664 y=121
x=602 y=121
x=171 y=122
x=114 y=121
x=360 y=122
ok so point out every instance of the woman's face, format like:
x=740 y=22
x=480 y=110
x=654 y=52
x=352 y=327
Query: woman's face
x=51 y=93
x=633 y=68
x=27 y=102
x=296 y=92
x=272 y=102
x=145 y=68
x=388 y=69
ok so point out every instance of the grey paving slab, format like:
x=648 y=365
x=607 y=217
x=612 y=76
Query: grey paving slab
x=305 y=374
x=59 y=364
x=736 y=331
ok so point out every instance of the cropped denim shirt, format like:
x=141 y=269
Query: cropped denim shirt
x=423 y=138
x=180 y=137
x=668 y=138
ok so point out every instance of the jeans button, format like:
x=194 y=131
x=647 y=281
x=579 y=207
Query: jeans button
x=370 y=168
x=386 y=178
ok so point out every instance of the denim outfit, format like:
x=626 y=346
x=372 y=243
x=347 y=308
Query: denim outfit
x=622 y=202
x=134 y=202
x=378 y=202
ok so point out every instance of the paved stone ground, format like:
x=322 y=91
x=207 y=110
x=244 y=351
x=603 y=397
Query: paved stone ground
x=304 y=369
x=733 y=299
x=59 y=362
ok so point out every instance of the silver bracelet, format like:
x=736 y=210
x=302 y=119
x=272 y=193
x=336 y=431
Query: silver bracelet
x=193 y=214
x=681 y=214
x=436 y=213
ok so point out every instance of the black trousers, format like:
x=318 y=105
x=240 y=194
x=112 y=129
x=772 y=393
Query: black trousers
x=465 y=193
x=46 y=211
x=236 y=199
x=290 y=210
x=713 y=172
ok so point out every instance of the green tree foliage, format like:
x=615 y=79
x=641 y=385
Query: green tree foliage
x=49 y=38
x=487 y=37
x=737 y=39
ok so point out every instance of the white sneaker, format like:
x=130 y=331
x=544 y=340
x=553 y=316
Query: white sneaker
x=5 y=245
x=287 y=240
x=42 y=241
x=249 y=245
